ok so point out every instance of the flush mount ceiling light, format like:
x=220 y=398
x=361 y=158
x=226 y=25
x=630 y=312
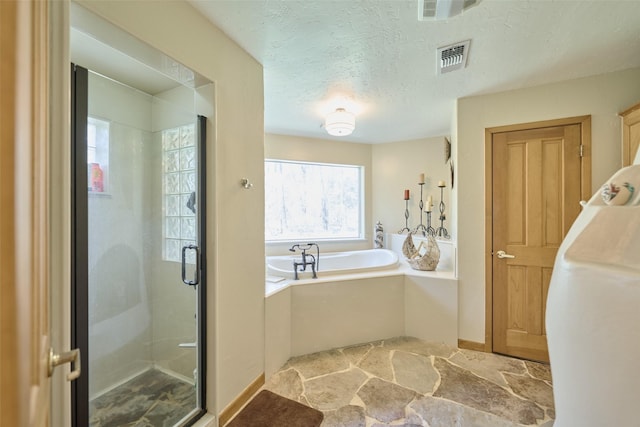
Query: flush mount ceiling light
x=340 y=122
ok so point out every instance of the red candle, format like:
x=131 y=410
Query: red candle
x=406 y=194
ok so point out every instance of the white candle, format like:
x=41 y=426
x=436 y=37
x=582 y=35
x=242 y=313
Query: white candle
x=441 y=184
x=429 y=203
x=421 y=179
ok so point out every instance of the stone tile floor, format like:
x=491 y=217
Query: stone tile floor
x=407 y=382
x=152 y=399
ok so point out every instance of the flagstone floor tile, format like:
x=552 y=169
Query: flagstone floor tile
x=404 y=381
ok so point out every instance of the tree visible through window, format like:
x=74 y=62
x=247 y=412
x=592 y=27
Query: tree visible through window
x=312 y=201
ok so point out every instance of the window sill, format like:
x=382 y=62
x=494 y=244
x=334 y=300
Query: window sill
x=326 y=245
x=301 y=241
x=99 y=195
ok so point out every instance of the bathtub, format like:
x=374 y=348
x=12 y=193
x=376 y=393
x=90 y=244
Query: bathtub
x=335 y=263
x=360 y=296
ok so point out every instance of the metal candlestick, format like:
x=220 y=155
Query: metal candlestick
x=441 y=231
x=406 y=217
x=430 y=230
x=421 y=205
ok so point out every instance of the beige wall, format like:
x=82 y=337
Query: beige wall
x=602 y=97
x=284 y=147
x=390 y=168
x=396 y=167
x=236 y=293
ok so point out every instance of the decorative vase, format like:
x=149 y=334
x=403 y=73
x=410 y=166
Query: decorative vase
x=419 y=259
x=616 y=195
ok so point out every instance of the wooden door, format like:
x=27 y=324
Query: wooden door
x=24 y=215
x=630 y=134
x=536 y=194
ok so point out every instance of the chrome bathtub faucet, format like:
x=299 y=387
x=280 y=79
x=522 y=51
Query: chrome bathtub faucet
x=314 y=262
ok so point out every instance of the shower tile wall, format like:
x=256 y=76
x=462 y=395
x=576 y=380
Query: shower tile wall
x=120 y=317
x=139 y=309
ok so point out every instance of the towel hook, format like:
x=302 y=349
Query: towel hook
x=246 y=184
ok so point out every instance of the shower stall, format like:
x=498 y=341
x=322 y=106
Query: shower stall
x=138 y=251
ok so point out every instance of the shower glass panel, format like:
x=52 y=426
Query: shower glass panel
x=142 y=188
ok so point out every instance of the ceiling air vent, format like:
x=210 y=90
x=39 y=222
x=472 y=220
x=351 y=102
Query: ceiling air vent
x=453 y=57
x=432 y=10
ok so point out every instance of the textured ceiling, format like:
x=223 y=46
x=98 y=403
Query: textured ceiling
x=378 y=59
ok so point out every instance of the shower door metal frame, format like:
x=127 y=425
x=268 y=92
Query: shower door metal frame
x=79 y=242
x=79 y=253
x=201 y=214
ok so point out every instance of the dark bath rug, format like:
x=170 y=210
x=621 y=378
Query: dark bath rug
x=268 y=409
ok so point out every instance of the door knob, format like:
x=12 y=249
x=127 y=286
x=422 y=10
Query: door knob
x=503 y=254
x=72 y=356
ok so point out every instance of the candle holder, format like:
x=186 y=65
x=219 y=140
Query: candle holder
x=441 y=231
x=430 y=230
x=406 y=217
x=421 y=226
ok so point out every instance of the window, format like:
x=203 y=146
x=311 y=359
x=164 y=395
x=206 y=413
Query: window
x=313 y=201
x=179 y=160
x=97 y=155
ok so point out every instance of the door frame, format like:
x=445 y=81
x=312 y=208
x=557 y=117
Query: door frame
x=585 y=194
x=25 y=220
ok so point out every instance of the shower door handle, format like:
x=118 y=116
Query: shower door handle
x=196 y=274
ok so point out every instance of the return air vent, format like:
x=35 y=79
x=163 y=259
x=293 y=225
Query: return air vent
x=432 y=10
x=453 y=57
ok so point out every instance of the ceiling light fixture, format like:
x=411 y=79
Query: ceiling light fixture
x=340 y=122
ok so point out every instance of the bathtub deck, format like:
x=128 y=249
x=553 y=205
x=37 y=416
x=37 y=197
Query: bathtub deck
x=403 y=269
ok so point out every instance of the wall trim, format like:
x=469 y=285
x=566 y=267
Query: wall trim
x=473 y=345
x=243 y=398
x=585 y=171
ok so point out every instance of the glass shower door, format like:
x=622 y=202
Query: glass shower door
x=137 y=227
x=183 y=251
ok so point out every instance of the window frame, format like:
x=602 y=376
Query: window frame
x=361 y=204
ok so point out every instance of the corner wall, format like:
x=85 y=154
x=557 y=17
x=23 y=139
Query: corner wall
x=236 y=293
x=602 y=97
x=285 y=147
x=397 y=166
x=389 y=169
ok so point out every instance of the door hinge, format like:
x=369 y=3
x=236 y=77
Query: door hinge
x=581 y=150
